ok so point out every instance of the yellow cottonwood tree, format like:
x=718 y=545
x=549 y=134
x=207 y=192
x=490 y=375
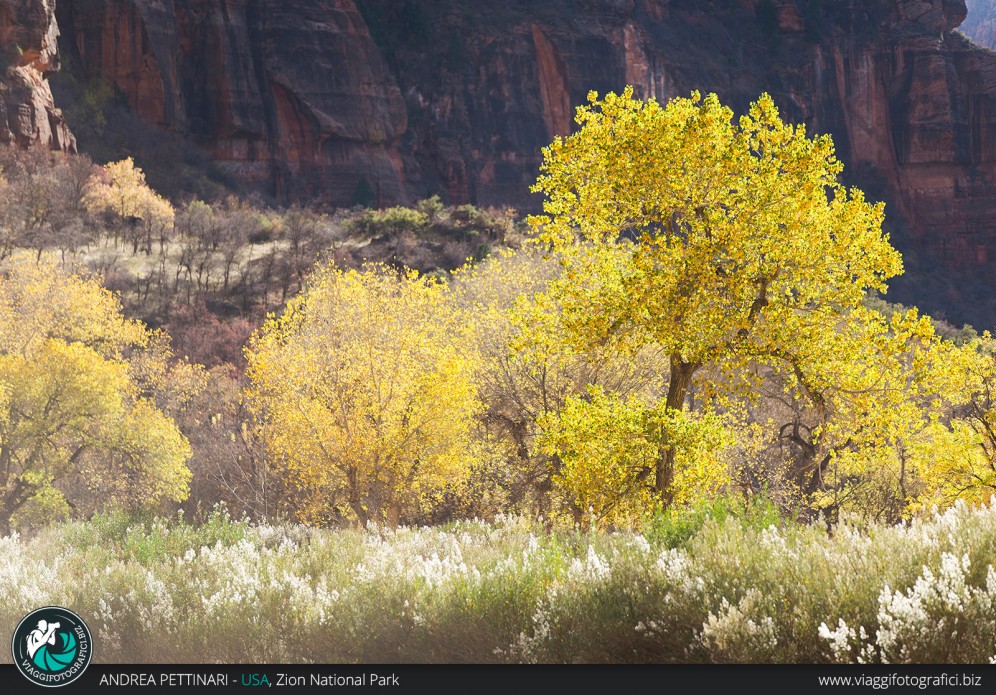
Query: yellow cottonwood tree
x=121 y=189
x=965 y=458
x=607 y=444
x=365 y=385
x=78 y=426
x=527 y=374
x=727 y=242
x=872 y=429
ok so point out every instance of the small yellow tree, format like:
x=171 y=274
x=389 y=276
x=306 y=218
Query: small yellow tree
x=121 y=190
x=365 y=385
x=872 y=405
x=79 y=425
x=607 y=444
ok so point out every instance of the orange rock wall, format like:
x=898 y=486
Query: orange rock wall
x=28 y=41
x=307 y=98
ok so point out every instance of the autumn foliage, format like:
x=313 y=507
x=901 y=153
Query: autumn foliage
x=365 y=385
x=695 y=316
x=83 y=400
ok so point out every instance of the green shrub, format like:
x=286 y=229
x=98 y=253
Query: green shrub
x=391 y=221
x=676 y=525
x=364 y=195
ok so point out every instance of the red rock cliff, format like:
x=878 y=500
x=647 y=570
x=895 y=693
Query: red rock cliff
x=28 y=50
x=293 y=96
x=309 y=97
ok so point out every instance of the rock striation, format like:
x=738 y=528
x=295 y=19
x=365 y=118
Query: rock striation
x=294 y=97
x=29 y=50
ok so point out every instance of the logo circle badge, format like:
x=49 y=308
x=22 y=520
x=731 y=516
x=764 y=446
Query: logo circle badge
x=52 y=646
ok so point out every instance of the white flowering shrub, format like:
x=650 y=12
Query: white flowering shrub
x=741 y=633
x=941 y=618
x=225 y=591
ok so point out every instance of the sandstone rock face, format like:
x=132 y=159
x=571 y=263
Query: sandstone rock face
x=294 y=96
x=28 y=50
x=311 y=98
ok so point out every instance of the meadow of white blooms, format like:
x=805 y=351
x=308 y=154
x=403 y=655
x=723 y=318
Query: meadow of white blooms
x=229 y=591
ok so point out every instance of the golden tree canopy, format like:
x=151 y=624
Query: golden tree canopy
x=728 y=243
x=742 y=230
x=366 y=387
x=78 y=423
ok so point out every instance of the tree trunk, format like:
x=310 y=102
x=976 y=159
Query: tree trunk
x=12 y=501
x=677 y=390
x=355 y=503
x=394 y=514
